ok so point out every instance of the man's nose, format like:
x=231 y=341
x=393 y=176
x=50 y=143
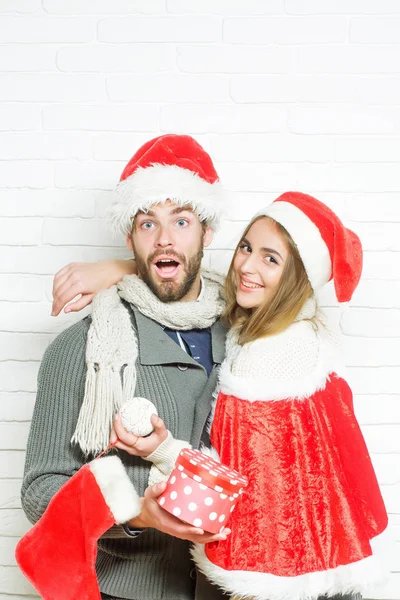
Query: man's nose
x=164 y=238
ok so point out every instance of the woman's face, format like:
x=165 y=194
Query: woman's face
x=259 y=263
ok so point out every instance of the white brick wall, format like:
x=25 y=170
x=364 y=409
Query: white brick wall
x=285 y=94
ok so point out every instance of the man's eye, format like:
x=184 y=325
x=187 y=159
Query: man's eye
x=147 y=225
x=182 y=223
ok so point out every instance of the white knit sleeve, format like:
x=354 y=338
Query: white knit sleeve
x=164 y=457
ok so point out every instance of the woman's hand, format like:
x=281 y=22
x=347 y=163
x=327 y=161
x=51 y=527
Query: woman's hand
x=135 y=444
x=86 y=280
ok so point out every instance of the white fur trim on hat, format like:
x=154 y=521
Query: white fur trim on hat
x=307 y=237
x=116 y=488
x=151 y=185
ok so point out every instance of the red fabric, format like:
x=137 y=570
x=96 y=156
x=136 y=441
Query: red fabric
x=313 y=501
x=171 y=149
x=58 y=554
x=344 y=245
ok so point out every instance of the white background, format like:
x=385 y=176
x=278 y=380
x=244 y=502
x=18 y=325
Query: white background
x=284 y=94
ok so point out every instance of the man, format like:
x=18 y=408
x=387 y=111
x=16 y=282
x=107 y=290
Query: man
x=157 y=337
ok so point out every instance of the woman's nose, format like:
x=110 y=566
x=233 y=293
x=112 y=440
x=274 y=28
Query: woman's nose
x=249 y=265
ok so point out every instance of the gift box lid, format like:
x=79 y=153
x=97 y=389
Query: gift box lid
x=211 y=472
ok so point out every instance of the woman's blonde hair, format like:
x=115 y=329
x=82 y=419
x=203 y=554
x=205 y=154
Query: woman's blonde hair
x=278 y=312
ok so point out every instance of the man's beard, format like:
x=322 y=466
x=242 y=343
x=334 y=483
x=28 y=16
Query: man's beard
x=169 y=290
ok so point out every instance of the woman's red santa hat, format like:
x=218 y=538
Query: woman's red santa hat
x=169 y=167
x=327 y=248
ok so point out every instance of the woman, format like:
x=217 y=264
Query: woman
x=284 y=417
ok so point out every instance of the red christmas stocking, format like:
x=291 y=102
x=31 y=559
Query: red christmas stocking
x=58 y=554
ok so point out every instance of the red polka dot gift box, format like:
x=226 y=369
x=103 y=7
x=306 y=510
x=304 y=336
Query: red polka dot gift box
x=202 y=491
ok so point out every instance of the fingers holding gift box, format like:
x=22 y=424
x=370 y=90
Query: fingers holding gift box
x=201 y=491
x=153 y=516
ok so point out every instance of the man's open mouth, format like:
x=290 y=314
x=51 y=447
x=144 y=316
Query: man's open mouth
x=166 y=268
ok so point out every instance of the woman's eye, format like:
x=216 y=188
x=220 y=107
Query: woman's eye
x=271 y=259
x=245 y=248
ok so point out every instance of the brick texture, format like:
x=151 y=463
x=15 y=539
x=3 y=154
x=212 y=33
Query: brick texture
x=284 y=94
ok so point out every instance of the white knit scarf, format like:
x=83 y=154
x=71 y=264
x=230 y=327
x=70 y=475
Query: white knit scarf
x=112 y=348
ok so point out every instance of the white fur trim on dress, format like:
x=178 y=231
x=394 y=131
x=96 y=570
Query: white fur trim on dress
x=293 y=364
x=345 y=579
x=307 y=237
x=116 y=487
x=269 y=390
x=158 y=183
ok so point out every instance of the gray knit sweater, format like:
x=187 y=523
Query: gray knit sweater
x=152 y=566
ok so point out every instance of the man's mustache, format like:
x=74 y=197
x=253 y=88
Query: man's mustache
x=181 y=258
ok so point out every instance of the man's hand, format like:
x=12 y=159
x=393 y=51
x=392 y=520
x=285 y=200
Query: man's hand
x=137 y=445
x=85 y=280
x=154 y=516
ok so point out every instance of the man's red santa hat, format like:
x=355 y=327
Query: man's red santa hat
x=169 y=167
x=58 y=555
x=327 y=248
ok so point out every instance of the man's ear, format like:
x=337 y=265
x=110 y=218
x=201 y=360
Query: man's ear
x=208 y=236
x=129 y=241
